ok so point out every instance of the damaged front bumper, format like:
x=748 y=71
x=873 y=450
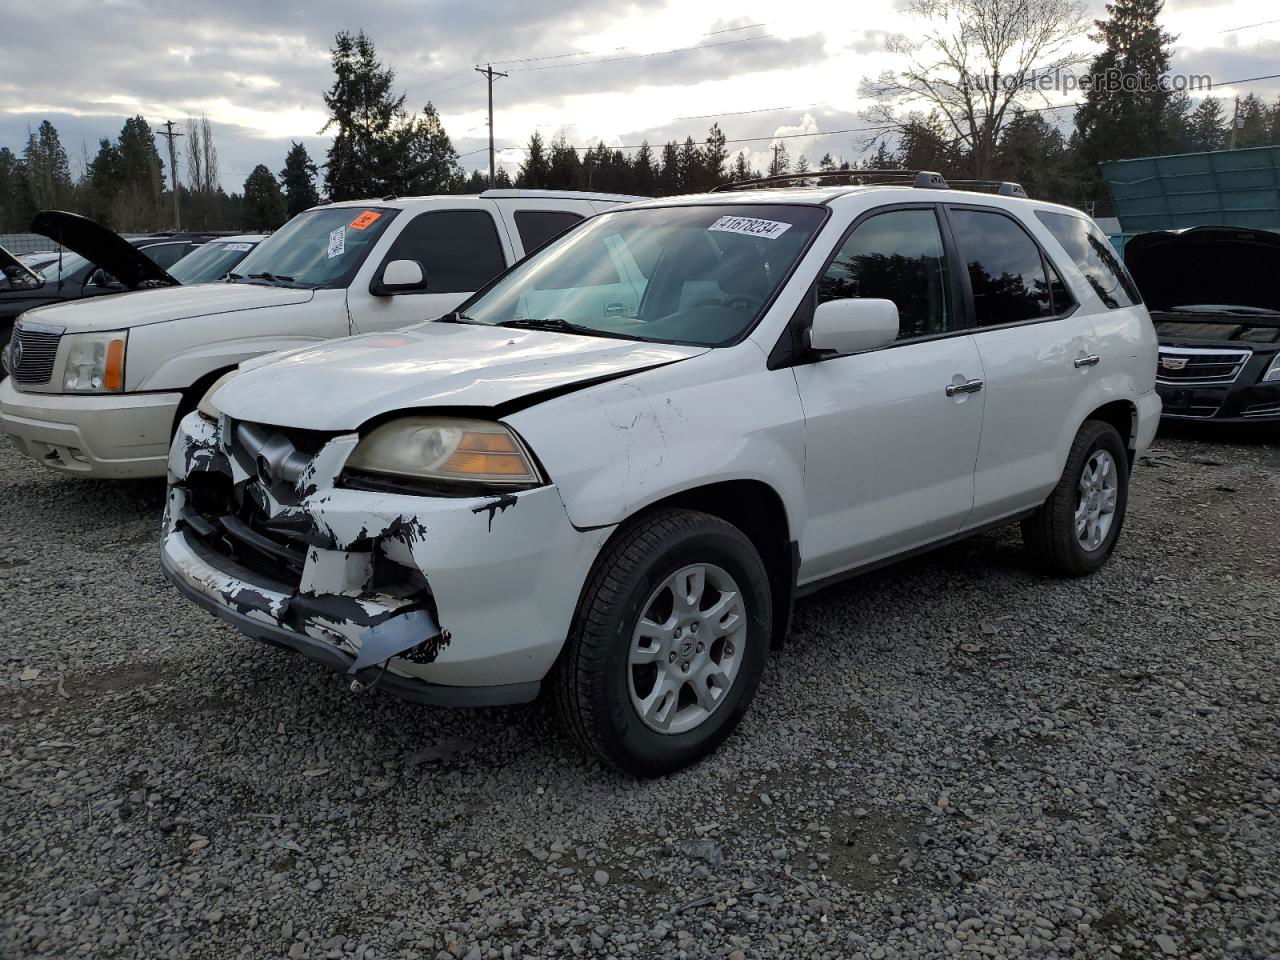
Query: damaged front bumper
x=451 y=600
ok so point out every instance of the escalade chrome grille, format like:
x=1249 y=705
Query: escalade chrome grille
x=1180 y=366
x=31 y=354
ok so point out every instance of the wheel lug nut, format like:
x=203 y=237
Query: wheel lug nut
x=699 y=648
x=694 y=628
x=671 y=659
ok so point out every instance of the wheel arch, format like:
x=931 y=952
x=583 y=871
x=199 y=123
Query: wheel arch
x=755 y=508
x=1123 y=415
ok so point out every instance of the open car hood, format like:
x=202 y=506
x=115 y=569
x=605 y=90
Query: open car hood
x=1231 y=266
x=106 y=248
x=12 y=267
x=341 y=384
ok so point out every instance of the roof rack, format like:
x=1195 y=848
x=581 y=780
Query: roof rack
x=918 y=179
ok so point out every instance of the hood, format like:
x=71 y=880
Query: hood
x=106 y=248
x=145 y=307
x=344 y=383
x=1231 y=266
x=11 y=266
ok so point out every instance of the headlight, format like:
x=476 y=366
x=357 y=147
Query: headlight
x=446 y=449
x=1273 y=371
x=206 y=407
x=95 y=362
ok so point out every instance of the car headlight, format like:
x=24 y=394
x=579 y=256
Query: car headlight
x=206 y=407
x=1273 y=371
x=447 y=450
x=95 y=362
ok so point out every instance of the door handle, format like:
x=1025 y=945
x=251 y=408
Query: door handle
x=1090 y=361
x=969 y=386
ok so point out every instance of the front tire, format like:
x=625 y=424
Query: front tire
x=668 y=645
x=1075 y=530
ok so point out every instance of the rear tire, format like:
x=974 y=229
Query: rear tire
x=1075 y=530
x=654 y=696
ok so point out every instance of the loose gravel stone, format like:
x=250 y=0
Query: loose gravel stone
x=953 y=756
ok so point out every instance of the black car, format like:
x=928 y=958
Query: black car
x=1214 y=296
x=100 y=262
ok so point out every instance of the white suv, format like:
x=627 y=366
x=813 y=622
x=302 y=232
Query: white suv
x=621 y=462
x=96 y=387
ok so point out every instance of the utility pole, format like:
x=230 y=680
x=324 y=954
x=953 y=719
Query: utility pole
x=168 y=134
x=1235 y=122
x=489 y=74
x=775 y=171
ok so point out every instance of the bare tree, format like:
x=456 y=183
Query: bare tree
x=973 y=63
x=202 y=173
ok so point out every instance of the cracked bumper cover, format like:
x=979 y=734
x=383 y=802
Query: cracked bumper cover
x=502 y=579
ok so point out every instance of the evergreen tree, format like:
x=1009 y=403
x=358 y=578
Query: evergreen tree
x=644 y=177
x=1253 y=126
x=378 y=147
x=827 y=163
x=104 y=178
x=1033 y=153
x=1114 y=121
x=478 y=182
x=689 y=166
x=741 y=168
x=299 y=180
x=48 y=169
x=802 y=165
x=502 y=179
x=882 y=159
x=714 y=155
x=1207 y=125
x=669 y=175
x=264 y=204
x=533 y=172
x=15 y=207
x=136 y=202
x=565 y=168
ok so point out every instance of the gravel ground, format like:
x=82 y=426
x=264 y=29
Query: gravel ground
x=951 y=757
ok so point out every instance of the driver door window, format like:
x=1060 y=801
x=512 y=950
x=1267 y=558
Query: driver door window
x=896 y=256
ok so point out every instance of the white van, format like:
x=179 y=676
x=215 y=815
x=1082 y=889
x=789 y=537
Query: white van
x=95 y=388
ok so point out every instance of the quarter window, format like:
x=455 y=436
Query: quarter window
x=1006 y=270
x=536 y=227
x=459 y=249
x=1092 y=253
x=896 y=256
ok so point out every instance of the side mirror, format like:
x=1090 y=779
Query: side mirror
x=853 y=325
x=100 y=278
x=400 y=276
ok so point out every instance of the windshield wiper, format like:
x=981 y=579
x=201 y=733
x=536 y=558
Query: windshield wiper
x=271 y=277
x=232 y=276
x=558 y=326
x=459 y=317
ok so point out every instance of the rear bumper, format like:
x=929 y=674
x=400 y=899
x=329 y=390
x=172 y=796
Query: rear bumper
x=112 y=436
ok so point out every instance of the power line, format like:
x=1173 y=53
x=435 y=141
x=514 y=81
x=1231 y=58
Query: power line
x=1249 y=26
x=1232 y=83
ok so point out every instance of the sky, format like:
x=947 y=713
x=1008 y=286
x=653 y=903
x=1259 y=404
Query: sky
x=592 y=70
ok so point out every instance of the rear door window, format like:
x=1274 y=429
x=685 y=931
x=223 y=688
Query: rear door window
x=1092 y=252
x=536 y=227
x=1006 y=271
x=165 y=255
x=459 y=249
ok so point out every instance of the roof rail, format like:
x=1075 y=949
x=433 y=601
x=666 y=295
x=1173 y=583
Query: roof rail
x=919 y=179
x=922 y=179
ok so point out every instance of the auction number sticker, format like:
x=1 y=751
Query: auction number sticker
x=242 y=247
x=366 y=218
x=751 y=227
x=337 y=242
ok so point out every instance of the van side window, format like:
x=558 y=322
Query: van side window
x=536 y=227
x=1005 y=268
x=459 y=249
x=896 y=256
x=1092 y=252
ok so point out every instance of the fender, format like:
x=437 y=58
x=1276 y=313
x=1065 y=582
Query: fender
x=716 y=417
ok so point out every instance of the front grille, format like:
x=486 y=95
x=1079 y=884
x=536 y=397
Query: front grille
x=31 y=354
x=1186 y=366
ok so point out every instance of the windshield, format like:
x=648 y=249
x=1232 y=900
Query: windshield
x=210 y=262
x=697 y=275
x=71 y=263
x=319 y=248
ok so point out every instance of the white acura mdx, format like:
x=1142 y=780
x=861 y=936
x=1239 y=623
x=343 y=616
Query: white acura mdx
x=613 y=470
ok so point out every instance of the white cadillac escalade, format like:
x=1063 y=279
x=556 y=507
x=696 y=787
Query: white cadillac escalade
x=613 y=470
x=96 y=387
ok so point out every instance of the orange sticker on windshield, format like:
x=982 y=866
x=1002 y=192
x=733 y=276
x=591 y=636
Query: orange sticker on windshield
x=366 y=218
